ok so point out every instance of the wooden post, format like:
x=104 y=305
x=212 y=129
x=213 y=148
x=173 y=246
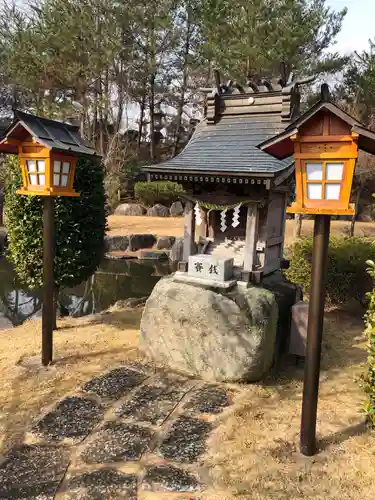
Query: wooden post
x=189 y=231
x=251 y=237
x=211 y=224
x=48 y=281
x=203 y=226
x=314 y=334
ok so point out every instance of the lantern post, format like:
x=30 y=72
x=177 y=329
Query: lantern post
x=47 y=174
x=324 y=142
x=314 y=334
x=48 y=310
x=47 y=152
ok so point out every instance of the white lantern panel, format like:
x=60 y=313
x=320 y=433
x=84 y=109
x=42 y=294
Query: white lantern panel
x=332 y=191
x=33 y=179
x=57 y=167
x=41 y=166
x=64 y=180
x=56 y=180
x=314 y=191
x=334 y=171
x=66 y=167
x=42 y=180
x=31 y=166
x=314 y=171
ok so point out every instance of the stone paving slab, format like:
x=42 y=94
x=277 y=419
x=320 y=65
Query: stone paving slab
x=102 y=484
x=186 y=440
x=152 y=403
x=169 y=478
x=117 y=442
x=33 y=472
x=143 y=440
x=73 y=418
x=208 y=399
x=115 y=384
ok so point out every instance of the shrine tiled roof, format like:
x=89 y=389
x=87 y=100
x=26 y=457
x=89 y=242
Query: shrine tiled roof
x=227 y=140
x=229 y=146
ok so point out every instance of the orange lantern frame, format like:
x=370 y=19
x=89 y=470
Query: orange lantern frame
x=45 y=162
x=324 y=152
x=324 y=143
x=47 y=151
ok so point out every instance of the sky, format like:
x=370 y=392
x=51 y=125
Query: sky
x=358 y=26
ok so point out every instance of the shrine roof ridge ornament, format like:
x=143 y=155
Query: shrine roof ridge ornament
x=237 y=119
x=256 y=85
x=54 y=135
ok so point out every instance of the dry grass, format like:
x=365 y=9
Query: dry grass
x=83 y=348
x=160 y=226
x=174 y=226
x=254 y=454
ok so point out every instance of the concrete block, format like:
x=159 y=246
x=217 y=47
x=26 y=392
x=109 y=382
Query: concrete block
x=298 y=333
x=210 y=267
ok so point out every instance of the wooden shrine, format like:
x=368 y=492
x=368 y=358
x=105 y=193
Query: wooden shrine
x=236 y=193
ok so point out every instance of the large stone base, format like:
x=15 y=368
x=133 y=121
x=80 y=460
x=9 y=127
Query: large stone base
x=219 y=336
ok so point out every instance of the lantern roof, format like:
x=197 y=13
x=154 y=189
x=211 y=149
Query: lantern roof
x=54 y=135
x=281 y=145
x=237 y=119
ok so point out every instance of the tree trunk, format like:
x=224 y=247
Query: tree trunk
x=152 y=118
x=297 y=226
x=141 y=119
x=101 y=121
x=153 y=69
x=121 y=98
x=181 y=103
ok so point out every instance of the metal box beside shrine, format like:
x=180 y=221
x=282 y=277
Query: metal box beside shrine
x=235 y=193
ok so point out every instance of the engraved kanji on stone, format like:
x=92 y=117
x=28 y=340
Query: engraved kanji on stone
x=198 y=267
x=213 y=269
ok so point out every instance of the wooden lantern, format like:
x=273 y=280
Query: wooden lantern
x=47 y=151
x=324 y=172
x=45 y=173
x=324 y=142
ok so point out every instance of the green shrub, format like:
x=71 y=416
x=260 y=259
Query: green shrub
x=80 y=225
x=346 y=277
x=164 y=192
x=369 y=379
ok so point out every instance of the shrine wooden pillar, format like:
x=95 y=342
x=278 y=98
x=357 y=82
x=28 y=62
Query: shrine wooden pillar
x=189 y=231
x=202 y=230
x=212 y=217
x=251 y=237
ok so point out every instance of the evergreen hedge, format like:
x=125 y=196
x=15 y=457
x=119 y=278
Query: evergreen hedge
x=346 y=275
x=163 y=192
x=369 y=379
x=80 y=225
